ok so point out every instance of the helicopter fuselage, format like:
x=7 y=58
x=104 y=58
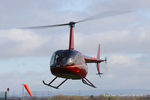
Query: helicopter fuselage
x=68 y=64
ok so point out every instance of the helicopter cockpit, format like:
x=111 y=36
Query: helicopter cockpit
x=63 y=58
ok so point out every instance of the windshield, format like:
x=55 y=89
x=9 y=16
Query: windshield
x=63 y=58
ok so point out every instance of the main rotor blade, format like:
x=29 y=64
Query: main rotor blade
x=104 y=15
x=98 y=16
x=45 y=26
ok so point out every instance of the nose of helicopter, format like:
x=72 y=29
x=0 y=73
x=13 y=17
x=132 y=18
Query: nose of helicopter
x=70 y=72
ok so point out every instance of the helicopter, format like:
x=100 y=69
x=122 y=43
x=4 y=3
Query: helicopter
x=70 y=63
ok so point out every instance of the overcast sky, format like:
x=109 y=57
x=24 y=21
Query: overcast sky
x=124 y=39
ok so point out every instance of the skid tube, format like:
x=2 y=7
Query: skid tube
x=87 y=82
x=56 y=87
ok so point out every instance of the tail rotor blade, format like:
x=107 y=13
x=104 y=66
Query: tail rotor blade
x=105 y=60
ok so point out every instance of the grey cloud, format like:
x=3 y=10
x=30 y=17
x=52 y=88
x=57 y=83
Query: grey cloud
x=22 y=41
x=30 y=44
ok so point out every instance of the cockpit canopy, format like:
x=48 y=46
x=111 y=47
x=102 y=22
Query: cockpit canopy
x=63 y=58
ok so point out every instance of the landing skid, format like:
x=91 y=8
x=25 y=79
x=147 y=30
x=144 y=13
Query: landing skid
x=84 y=80
x=87 y=82
x=56 y=87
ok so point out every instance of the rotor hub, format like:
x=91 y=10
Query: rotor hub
x=72 y=24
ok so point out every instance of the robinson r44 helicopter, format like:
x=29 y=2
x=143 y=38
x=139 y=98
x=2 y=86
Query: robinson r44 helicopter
x=70 y=63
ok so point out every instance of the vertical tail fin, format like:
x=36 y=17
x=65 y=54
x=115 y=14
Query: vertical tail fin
x=98 y=57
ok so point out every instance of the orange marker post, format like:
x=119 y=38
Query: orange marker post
x=28 y=90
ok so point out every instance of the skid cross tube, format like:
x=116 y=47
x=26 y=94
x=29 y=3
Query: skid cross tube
x=87 y=82
x=56 y=87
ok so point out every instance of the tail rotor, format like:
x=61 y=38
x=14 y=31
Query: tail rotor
x=105 y=60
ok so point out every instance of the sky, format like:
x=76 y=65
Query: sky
x=25 y=54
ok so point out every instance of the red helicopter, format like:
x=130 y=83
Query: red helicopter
x=70 y=63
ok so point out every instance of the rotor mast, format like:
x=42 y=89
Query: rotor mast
x=71 y=40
